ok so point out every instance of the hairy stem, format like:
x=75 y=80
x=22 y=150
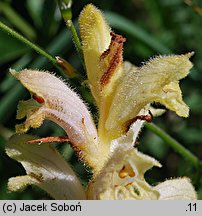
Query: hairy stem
x=65 y=9
x=76 y=40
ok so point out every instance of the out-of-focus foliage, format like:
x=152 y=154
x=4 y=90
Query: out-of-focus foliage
x=151 y=28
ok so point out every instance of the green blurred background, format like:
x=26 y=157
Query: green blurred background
x=152 y=27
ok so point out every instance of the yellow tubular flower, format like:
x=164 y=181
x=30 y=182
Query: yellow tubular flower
x=123 y=94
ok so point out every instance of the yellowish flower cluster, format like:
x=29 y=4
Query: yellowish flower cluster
x=123 y=94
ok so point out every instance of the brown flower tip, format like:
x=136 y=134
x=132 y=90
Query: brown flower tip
x=113 y=57
x=147 y=118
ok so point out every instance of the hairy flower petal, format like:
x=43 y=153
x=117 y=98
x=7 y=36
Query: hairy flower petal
x=123 y=176
x=19 y=183
x=103 y=55
x=95 y=35
x=44 y=167
x=52 y=99
x=156 y=81
x=176 y=189
x=103 y=51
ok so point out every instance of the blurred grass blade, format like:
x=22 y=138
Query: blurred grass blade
x=50 y=24
x=9 y=102
x=125 y=25
x=10 y=81
x=35 y=9
x=10 y=49
x=56 y=47
x=10 y=99
x=32 y=45
x=17 y=21
x=18 y=36
x=154 y=13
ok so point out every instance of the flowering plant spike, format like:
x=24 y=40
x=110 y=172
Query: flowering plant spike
x=123 y=94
